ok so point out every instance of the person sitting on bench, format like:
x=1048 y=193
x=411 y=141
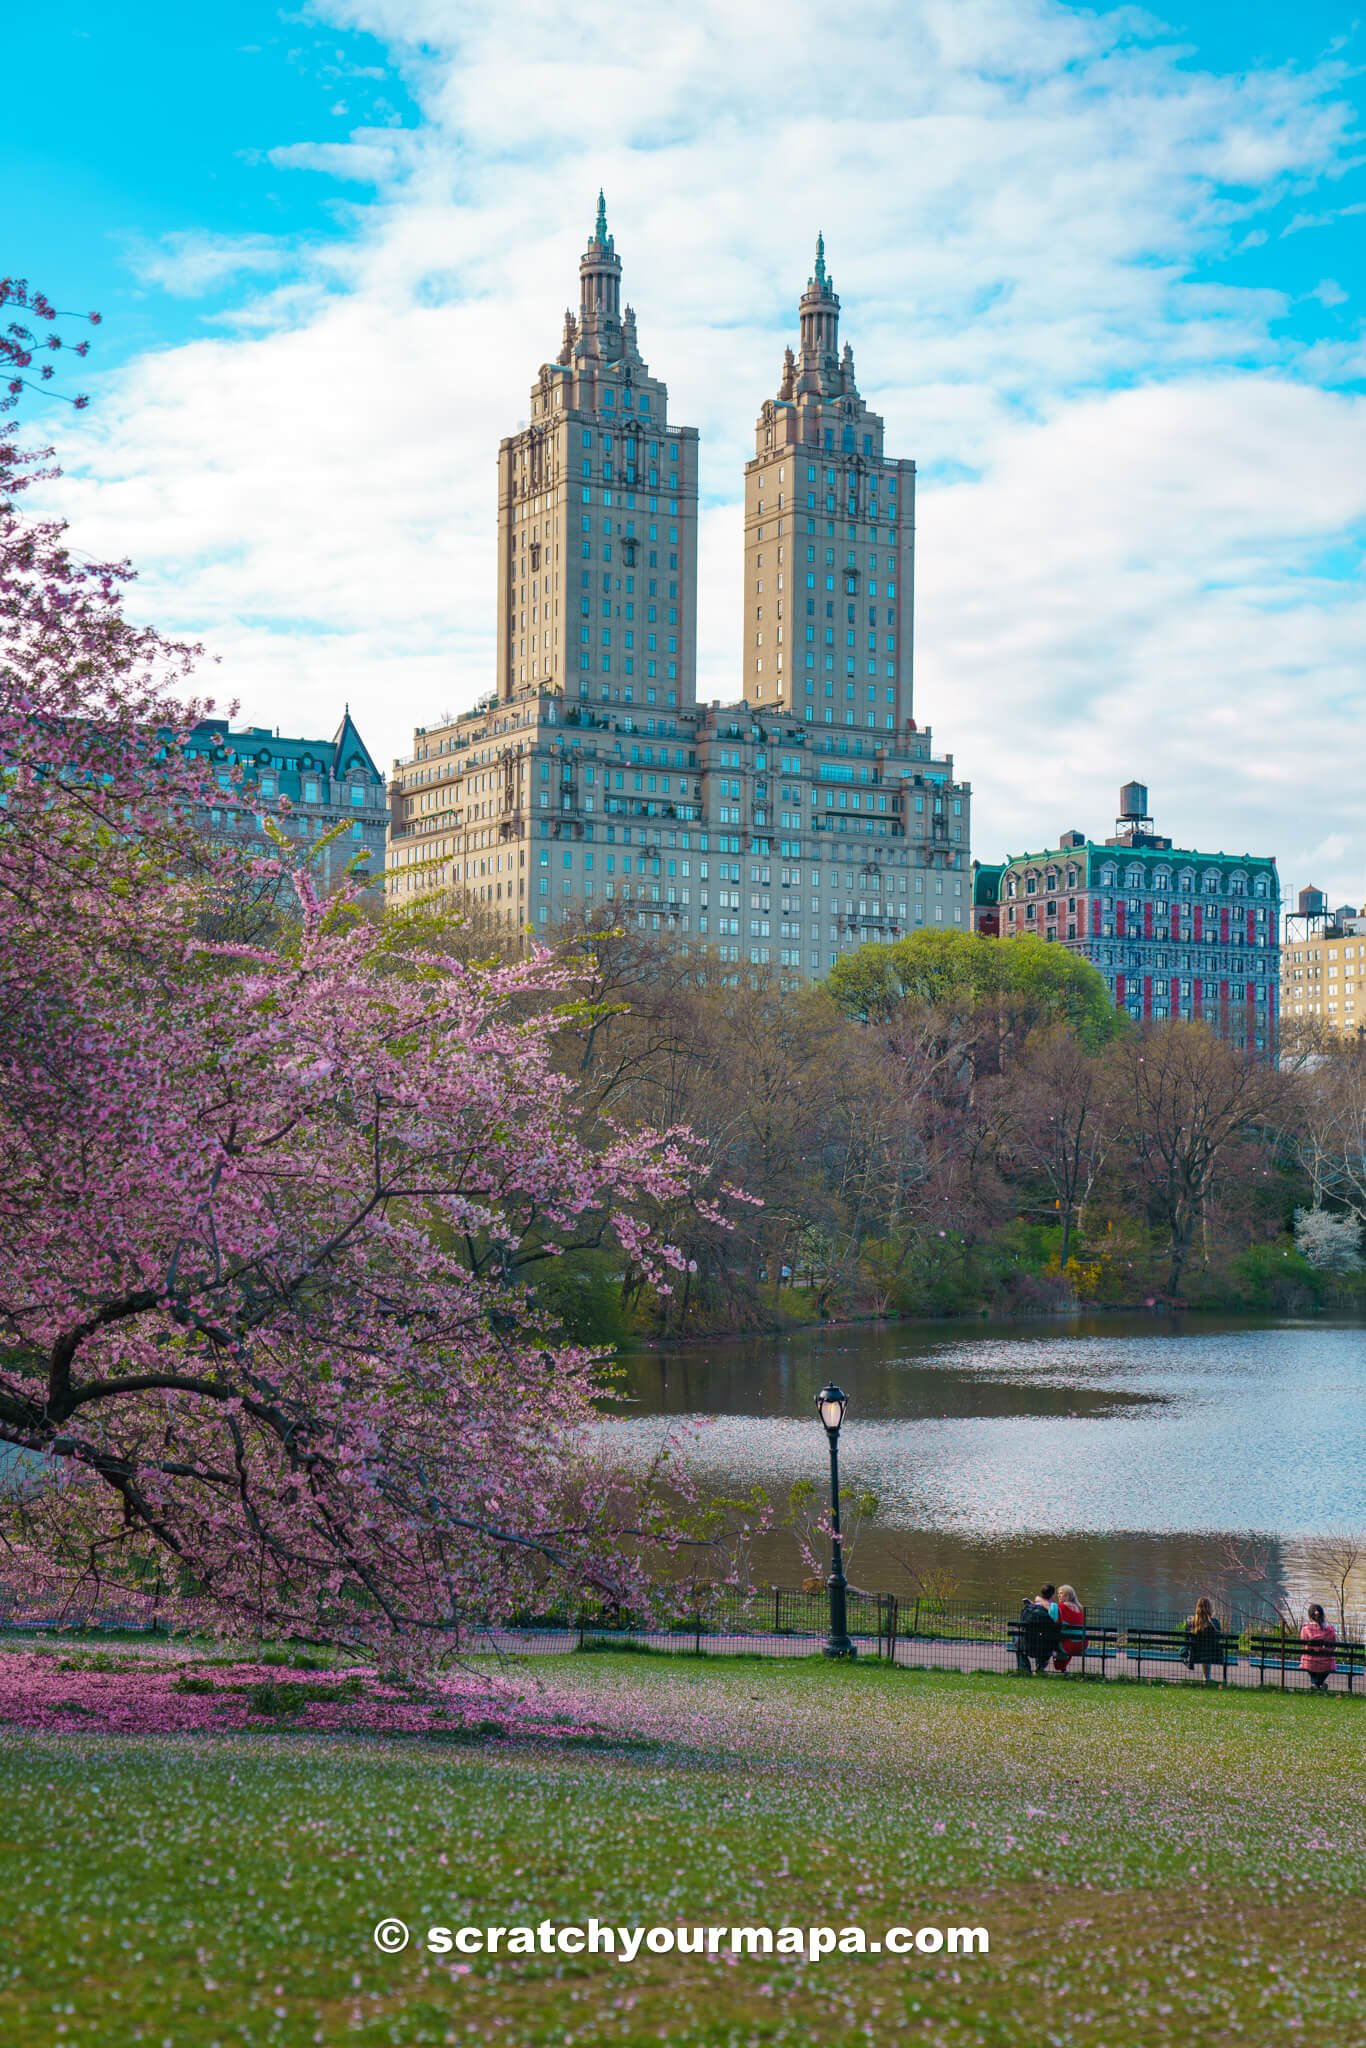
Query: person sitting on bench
x=1204 y=1638
x=1070 y=1616
x=1038 y=1634
x=1318 y=1660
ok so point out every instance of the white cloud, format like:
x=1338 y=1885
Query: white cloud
x=189 y=262
x=1135 y=591
x=374 y=157
x=1132 y=486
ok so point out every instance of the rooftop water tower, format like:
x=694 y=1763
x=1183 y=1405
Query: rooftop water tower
x=1133 y=806
x=1134 y=825
x=1310 y=918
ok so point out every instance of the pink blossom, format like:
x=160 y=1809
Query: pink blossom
x=270 y=1214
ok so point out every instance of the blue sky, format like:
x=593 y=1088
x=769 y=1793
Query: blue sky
x=1102 y=270
x=162 y=125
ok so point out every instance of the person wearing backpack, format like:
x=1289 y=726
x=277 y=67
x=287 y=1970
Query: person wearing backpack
x=1037 y=1637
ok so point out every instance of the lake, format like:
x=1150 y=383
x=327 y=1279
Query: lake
x=1146 y=1460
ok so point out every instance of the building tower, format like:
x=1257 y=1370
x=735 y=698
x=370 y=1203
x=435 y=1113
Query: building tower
x=597 y=518
x=829 y=542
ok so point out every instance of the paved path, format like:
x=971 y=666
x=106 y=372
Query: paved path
x=914 y=1653
x=917 y=1653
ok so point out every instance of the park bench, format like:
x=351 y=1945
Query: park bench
x=1168 y=1646
x=1281 y=1653
x=1102 y=1644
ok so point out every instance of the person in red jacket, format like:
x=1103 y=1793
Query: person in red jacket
x=1070 y=1616
x=1320 y=1637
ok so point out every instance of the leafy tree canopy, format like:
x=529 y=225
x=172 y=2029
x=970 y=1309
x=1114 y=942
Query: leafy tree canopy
x=966 y=970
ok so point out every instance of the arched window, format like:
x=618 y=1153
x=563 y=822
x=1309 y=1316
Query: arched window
x=1211 y=881
x=1107 y=876
x=1162 y=881
x=1237 y=883
x=1185 y=881
x=1133 y=878
x=1260 y=885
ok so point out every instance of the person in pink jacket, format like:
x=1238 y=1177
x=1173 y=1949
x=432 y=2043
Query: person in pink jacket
x=1319 y=1637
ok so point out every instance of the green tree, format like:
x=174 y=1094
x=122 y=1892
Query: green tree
x=1024 y=983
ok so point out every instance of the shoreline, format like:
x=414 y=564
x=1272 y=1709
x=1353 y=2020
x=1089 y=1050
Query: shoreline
x=988 y=1317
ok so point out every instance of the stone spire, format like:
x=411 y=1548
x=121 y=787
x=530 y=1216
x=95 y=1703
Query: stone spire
x=600 y=293
x=571 y=335
x=820 y=322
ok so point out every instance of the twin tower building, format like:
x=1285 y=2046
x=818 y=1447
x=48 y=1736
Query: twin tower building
x=592 y=788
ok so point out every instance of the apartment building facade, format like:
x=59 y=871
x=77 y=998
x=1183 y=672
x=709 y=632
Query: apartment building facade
x=1323 y=966
x=328 y=784
x=1175 y=932
x=597 y=518
x=829 y=541
x=780 y=829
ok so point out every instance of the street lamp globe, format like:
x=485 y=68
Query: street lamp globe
x=831 y=1404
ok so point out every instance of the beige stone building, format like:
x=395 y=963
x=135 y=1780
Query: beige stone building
x=1323 y=969
x=597 y=518
x=829 y=541
x=778 y=830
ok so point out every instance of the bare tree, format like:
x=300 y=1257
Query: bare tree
x=1063 y=1103
x=1341 y=1560
x=1188 y=1096
x=1257 y=1562
x=1328 y=1137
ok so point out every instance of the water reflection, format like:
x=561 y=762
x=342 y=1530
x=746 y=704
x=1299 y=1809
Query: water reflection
x=1128 y=1456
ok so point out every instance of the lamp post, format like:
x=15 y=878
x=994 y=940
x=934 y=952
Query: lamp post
x=830 y=1406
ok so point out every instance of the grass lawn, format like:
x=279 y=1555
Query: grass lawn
x=1153 y=1864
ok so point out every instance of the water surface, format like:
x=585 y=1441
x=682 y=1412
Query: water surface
x=1144 y=1460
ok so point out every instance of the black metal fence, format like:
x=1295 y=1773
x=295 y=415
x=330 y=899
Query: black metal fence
x=964 y=1635
x=928 y=1632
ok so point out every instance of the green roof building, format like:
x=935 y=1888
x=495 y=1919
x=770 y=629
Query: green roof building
x=1175 y=932
x=326 y=783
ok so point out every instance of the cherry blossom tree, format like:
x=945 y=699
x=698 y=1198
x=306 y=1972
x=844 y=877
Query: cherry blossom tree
x=270 y=1218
